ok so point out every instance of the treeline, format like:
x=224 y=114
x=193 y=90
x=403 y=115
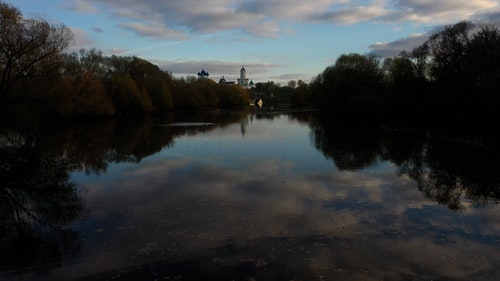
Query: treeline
x=453 y=167
x=455 y=74
x=295 y=93
x=107 y=85
x=37 y=72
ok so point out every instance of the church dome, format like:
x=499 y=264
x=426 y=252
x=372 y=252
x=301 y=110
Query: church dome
x=203 y=73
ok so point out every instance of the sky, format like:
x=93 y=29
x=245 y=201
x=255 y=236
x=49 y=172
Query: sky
x=275 y=40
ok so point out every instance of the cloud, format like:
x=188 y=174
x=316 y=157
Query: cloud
x=262 y=18
x=189 y=17
x=419 y=11
x=390 y=49
x=351 y=15
x=81 y=40
x=82 y=6
x=158 y=31
x=97 y=30
x=216 y=68
x=292 y=76
x=285 y=10
x=394 y=48
x=440 y=11
x=116 y=51
x=492 y=16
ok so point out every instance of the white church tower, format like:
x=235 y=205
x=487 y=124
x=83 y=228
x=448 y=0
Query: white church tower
x=243 y=80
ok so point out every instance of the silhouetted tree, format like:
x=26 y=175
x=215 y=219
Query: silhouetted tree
x=450 y=57
x=207 y=92
x=301 y=94
x=30 y=54
x=461 y=61
x=156 y=83
x=232 y=95
x=82 y=89
x=420 y=56
x=400 y=72
x=351 y=83
x=485 y=56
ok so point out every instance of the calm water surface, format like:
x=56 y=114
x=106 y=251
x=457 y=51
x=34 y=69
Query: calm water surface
x=247 y=196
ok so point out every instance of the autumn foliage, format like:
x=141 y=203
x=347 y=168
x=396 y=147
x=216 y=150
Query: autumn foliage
x=38 y=74
x=455 y=73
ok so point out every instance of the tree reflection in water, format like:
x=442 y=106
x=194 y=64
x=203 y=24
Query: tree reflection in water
x=461 y=168
x=37 y=198
x=450 y=168
x=37 y=201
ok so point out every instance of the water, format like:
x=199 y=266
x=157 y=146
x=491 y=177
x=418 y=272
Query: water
x=247 y=196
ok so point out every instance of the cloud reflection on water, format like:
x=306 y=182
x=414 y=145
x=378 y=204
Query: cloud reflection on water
x=179 y=206
x=280 y=199
x=273 y=195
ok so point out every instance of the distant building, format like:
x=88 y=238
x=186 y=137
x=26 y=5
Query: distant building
x=203 y=74
x=224 y=81
x=243 y=81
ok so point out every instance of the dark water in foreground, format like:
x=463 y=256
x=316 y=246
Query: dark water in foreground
x=247 y=196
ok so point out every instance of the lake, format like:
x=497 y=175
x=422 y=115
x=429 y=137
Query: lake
x=258 y=194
